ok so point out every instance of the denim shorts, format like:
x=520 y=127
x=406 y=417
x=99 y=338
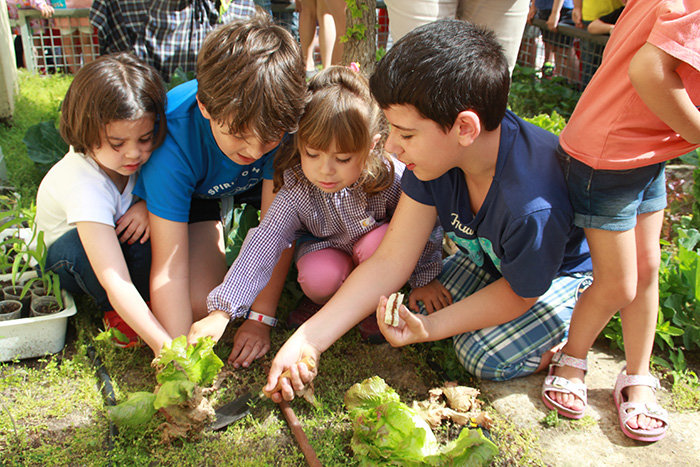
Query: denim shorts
x=612 y=199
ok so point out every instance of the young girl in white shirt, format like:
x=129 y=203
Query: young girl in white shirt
x=96 y=232
x=337 y=190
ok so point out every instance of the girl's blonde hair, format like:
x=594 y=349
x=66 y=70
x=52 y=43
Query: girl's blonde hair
x=111 y=88
x=341 y=110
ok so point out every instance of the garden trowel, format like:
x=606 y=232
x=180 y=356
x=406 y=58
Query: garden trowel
x=240 y=407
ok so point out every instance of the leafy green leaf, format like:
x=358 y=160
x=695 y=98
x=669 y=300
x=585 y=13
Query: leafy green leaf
x=44 y=143
x=136 y=410
x=173 y=393
x=198 y=362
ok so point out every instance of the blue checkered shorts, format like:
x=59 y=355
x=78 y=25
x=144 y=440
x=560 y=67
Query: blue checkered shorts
x=515 y=348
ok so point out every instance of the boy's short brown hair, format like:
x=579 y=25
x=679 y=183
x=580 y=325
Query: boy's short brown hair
x=251 y=77
x=113 y=87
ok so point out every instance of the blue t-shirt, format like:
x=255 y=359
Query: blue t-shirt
x=189 y=163
x=524 y=229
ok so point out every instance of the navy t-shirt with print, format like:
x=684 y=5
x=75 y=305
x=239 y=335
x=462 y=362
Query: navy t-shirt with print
x=524 y=229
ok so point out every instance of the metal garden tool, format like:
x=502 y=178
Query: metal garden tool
x=240 y=407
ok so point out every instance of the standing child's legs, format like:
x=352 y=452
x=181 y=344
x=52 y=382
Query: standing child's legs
x=621 y=212
x=639 y=317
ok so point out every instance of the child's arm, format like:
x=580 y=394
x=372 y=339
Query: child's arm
x=553 y=20
x=104 y=252
x=433 y=295
x=598 y=26
x=493 y=305
x=384 y=272
x=576 y=14
x=252 y=340
x=43 y=6
x=654 y=77
x=133 y=225
x=170 y=284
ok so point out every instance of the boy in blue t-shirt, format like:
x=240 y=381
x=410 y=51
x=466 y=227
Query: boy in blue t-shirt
x=495 y=184
x=223 y=130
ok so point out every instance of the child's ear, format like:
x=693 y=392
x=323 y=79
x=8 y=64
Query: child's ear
x=203 y=109
x=469 y=126
x=375 y=140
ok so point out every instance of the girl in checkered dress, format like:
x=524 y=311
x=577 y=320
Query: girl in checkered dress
x=337 y=190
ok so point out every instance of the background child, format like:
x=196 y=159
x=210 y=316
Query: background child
x=638 y=111
x=223 y=128
x=337 y=191
x=559 y=55
x=96 y=231
x=494 y=183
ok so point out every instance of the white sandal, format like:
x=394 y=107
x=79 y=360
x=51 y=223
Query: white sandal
x=627 y=410
x=558 y=384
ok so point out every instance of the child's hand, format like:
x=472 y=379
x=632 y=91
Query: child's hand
x=433 y=295
x=133 y=225
x=288 y=357
x=553 y=21
x=46 y=11
x=252 y=341
x=213 y=326
x=411 y=328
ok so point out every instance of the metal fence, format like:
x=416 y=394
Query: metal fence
x=67 y=41
x=572 y=53
x=61 y=44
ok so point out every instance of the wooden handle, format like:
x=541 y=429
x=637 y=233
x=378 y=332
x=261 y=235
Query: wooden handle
x=299 y=435
x=310 y=363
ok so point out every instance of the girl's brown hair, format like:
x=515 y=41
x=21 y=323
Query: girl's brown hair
x=113 y=87
x=341 y=110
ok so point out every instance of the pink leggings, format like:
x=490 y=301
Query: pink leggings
x=322 y=272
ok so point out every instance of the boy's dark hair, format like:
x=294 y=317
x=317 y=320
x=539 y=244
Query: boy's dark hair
x=443 y=68
x=341 y=111
x=252 y=78
x=113 y=87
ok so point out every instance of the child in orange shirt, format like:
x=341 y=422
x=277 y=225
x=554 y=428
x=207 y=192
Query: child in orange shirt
x=639 y=110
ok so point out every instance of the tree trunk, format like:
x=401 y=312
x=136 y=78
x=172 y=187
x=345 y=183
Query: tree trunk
x=361 y=34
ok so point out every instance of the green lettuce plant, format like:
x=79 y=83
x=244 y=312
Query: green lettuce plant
x=388 y=432
x=185 y=375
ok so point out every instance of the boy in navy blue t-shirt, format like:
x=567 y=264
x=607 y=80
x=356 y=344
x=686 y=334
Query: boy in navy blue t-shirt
x=495 y=184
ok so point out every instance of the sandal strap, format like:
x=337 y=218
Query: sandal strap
x=624 y=380
x=558 y=384
x=562 y=359
x=651 y=410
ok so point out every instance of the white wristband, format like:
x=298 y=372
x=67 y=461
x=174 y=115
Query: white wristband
x=269 y=320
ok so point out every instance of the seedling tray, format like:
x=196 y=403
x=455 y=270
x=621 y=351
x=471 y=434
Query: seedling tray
x=35 y=336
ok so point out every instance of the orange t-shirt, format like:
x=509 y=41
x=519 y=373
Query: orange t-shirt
x=611 y=127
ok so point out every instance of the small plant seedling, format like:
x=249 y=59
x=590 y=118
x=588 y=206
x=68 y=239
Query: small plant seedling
x=551 y=420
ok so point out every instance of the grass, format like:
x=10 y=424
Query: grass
x=38 y=101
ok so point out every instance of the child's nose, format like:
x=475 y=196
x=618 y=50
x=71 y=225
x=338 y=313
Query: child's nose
x=390 y=146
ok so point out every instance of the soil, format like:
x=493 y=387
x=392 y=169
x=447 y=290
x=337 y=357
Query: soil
x=599 y=440
x=49 y=309
x=7 y=308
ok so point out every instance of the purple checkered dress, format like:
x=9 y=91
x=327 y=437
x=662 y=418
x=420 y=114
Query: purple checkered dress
x=321 y=220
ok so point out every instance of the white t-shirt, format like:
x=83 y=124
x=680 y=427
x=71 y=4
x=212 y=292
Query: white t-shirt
x=76 y=189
